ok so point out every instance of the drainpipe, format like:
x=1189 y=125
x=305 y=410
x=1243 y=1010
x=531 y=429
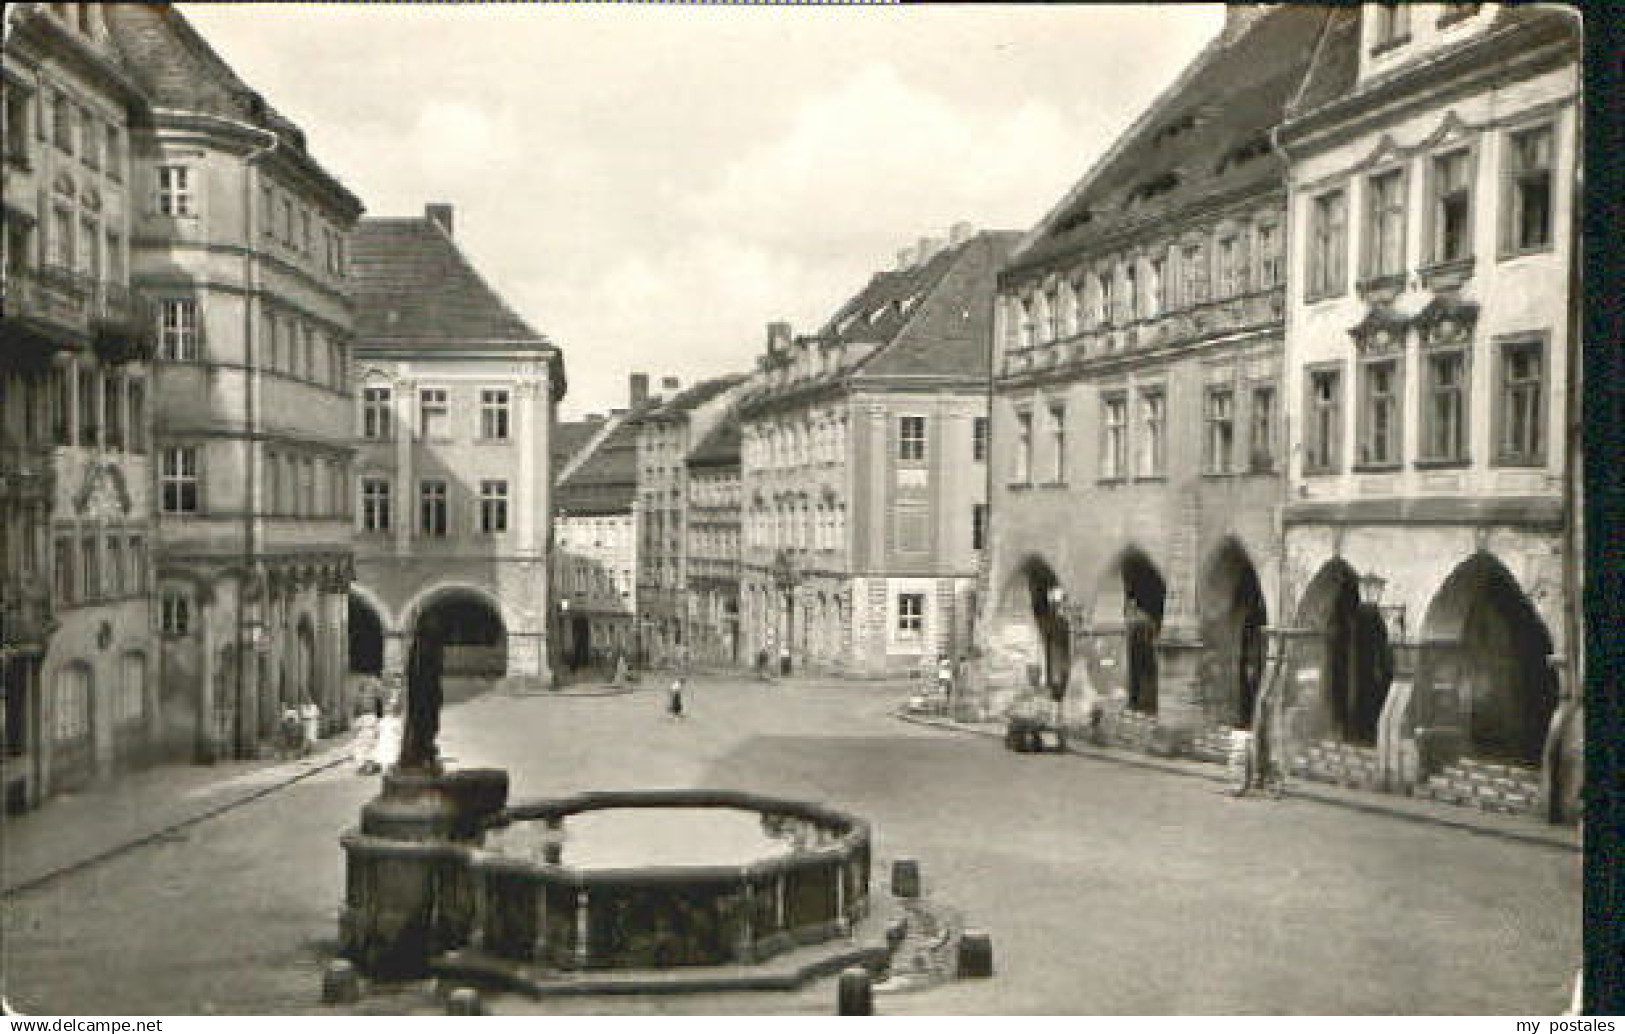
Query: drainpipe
x=1572 y=695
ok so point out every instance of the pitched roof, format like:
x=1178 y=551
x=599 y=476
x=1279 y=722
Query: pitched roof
x=569 y=437
x=694 y=397
x=932 y=320
x=606 y=481
x=414 y=287
x=720 y=448
x=177 y=68
x=1208 y=136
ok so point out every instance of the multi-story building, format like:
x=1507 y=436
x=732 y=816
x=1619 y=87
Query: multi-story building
x=1431 y=365
x=862 y=468
x=237 y=240
x=455 y=408
x=1137 y=409
x=596 y=535
x=713 y=523
x=77 y=655
x=666 y=434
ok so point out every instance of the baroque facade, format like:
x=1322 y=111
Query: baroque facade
x=1137 y=381
x=713 y=524
x=455 y=398
x=862 y=469
x=78 y=659
x=238 y=242
x=1430 y=370
x=666 y=434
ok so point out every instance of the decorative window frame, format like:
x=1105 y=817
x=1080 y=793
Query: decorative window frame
x=1445 y=326
x=1506 y=247
x=1335 y=448
x=1325 y=286
x=1114 y=464
x=1501 y=344
x=1371 y=276
x=1379 y=340
x=1434 y=267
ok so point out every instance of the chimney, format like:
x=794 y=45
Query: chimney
x=637 y=389
x=928 y=248
x=778 y=337
x=905 y=258
x=441 y=214
x=959 y=233
x=668 y=387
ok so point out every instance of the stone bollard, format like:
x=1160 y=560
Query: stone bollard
x=905 y=878
x=855 y=993
x=465 y=1001
x=975 y=954
x=340 y=984
x=896 y=930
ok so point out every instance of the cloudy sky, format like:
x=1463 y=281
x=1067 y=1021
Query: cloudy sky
x=650 y=185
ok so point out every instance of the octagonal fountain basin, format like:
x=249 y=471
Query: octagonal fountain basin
x=662 y=878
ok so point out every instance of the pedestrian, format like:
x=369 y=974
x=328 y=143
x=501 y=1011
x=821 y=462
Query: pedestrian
x=291 y=733
x=366 y=740
x=674 y=703
x=311 y=716
x=761 y=665
x=387 y=746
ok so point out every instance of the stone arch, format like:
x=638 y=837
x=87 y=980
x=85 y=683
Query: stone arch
x=1233 y=615
x=365 y=649
x=1488 y=669
x=1350 y=659
x=1130 y=600
x=386 y=616
x=1029 y=638
x=475 y=627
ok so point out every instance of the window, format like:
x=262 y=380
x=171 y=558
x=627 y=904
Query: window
x=1269 y=256
x=89 y=139
x=309 y=338
x=89 y=569
x=178 y=329
x=114 y=572
x=1153 y=432
x=267 y=211
x=1114 y=439
x=1385 y=224
x=1529 y=187
x=113 y=410
x=1193 y=268
x=494 y=415
x=138 y=416
x=1328 y=244
x=67 y=589
x=16 y=128
x=1052 y=314
x=138 y=564
x=1107 y=311
x=432 y=412
x=375 y=508
x=1261 y=435
x=59 y=250
x=304 y=231
x=1022 y=462
x=62 y=122
x=1156 y=276
x=1379 y=413
x=307 y=487
x=432 y=508
x=978 y=439
x=1057 y=434
x=90 y=249
x=377 y=414
x=178 y=480
x=1520 y=403
x=1452 y=207
x=177 y=613
x=73 y=696
x=174 y=190
x=1229 y=258
x=1131 y=293
x=287 y=221
x=911 y=613
x=115 y=257
x=1029 y=324
x=88 y=407
x=1220 y=440
x=1444 y=405
x=911 y=438
x=978 y=526
x=1324 y=423
x=1391 y=25
x=493 y=507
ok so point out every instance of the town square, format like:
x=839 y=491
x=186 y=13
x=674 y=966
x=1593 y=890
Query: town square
x=798 y=509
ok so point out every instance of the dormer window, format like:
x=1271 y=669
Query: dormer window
x=1390 y=25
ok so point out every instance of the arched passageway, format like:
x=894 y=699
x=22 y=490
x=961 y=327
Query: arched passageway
x=1492 y=680
x=1144 y=595
x=1356 y=662
x=1233 y=620
x=476 y=641
x=366 y=638
x=1028 y=635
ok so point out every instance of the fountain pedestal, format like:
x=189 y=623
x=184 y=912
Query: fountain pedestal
x=408 y=893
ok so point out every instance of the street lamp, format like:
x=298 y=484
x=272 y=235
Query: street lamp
x=1372 y=586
